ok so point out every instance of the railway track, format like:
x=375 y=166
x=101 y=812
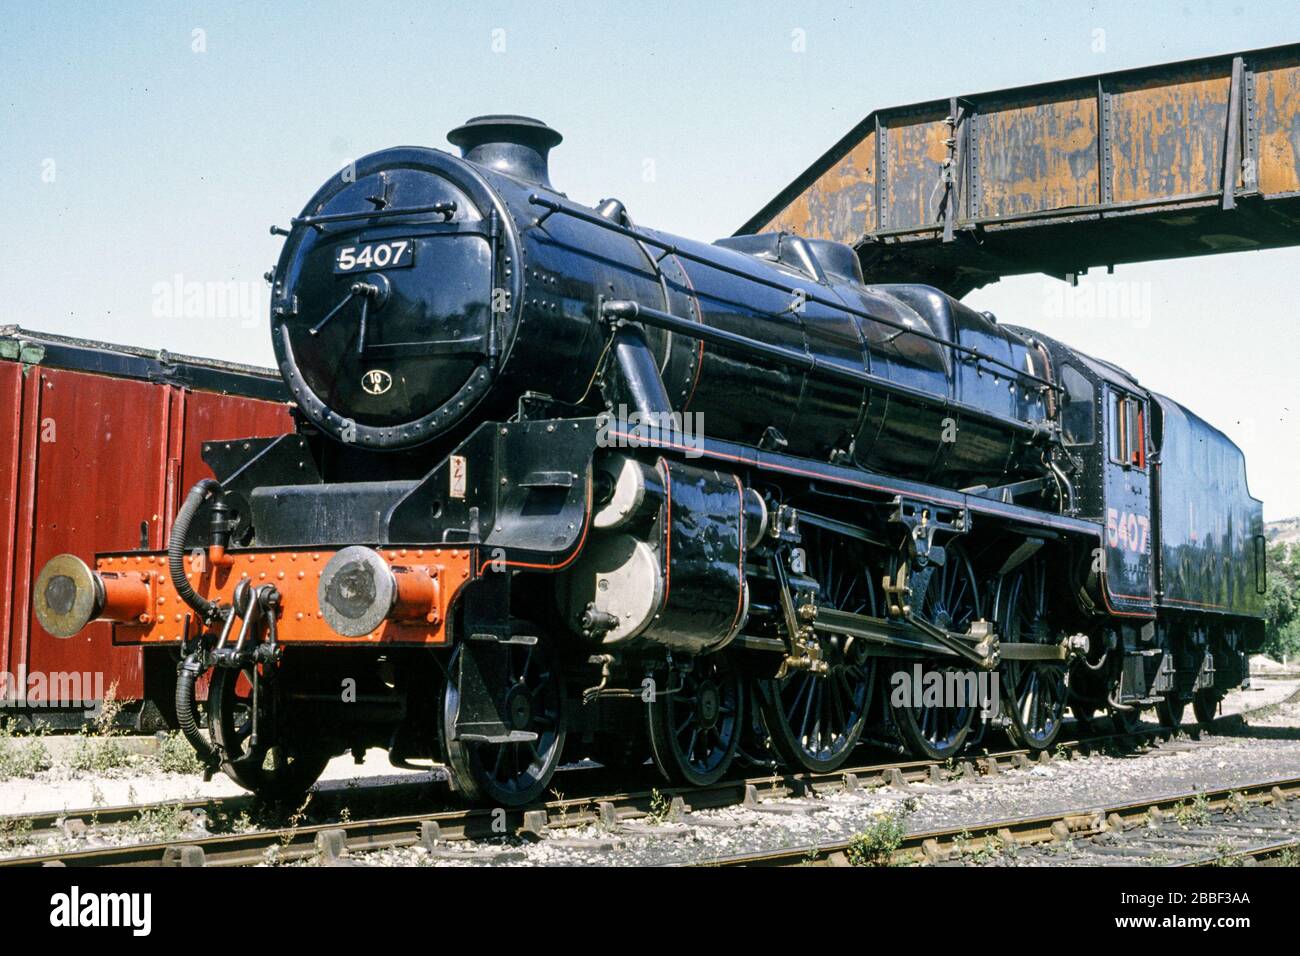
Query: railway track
x=1160 y=825
x=1283 y=853
x=440 y=829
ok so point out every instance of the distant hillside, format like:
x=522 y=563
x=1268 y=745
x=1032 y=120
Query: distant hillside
x=1286 y=530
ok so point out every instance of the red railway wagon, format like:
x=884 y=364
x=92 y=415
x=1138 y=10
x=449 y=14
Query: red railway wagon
x=77 y=418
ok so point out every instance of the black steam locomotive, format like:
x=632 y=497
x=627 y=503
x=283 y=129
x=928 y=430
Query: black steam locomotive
x=564 y=486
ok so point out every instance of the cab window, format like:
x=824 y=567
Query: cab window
x=1077 y=411
x=1126 y=416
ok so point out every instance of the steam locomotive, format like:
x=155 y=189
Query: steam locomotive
x=562 y=486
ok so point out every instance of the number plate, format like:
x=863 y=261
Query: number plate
x=392 y=254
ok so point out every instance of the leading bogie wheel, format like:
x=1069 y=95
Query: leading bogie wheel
x=1170 y=712
x=511 y=773
x=271 y=767
x=953 y=602
x=1205 y=705
x=695 y=721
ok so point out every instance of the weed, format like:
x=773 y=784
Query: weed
x=660 y=807
x=564 y=810
x=1223 y=852
x=160 y=824
x=19 y=757
x=295 y=821
x=96 y=749
x=1194 y=813
x=14 y=832
x=987 y=851
x=876 y=845
x=175 y=755
x=97 y=755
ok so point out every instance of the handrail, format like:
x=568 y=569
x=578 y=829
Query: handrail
x=805 y=361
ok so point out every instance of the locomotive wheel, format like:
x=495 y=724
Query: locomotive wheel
x=1170 y=711
x=272 y=770
x=1034 y=692
x=1205 y=705
x=816 y=720
x=510 y=774
x=952 y=601
x=694 y=731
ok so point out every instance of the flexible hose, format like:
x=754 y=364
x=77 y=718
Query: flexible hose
x=207 y=610
x=186 y=716
x=1099 y=665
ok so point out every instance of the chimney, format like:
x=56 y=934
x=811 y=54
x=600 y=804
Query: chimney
x=514 y=145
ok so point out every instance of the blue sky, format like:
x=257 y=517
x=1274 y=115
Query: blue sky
x=149 y=145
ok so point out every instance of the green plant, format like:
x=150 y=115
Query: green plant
x=660 y=807
x=1224 y=854
x=564 y=810
x=175 y=755
x=1282 y=602
x=160 y=823
x=20 y=757
x=14 y=831
x=1193 y=813
x=105 y=722
x=985 y=851
x=296 y=820
x=876 y=845
x=97 y=755
x=96 y=749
